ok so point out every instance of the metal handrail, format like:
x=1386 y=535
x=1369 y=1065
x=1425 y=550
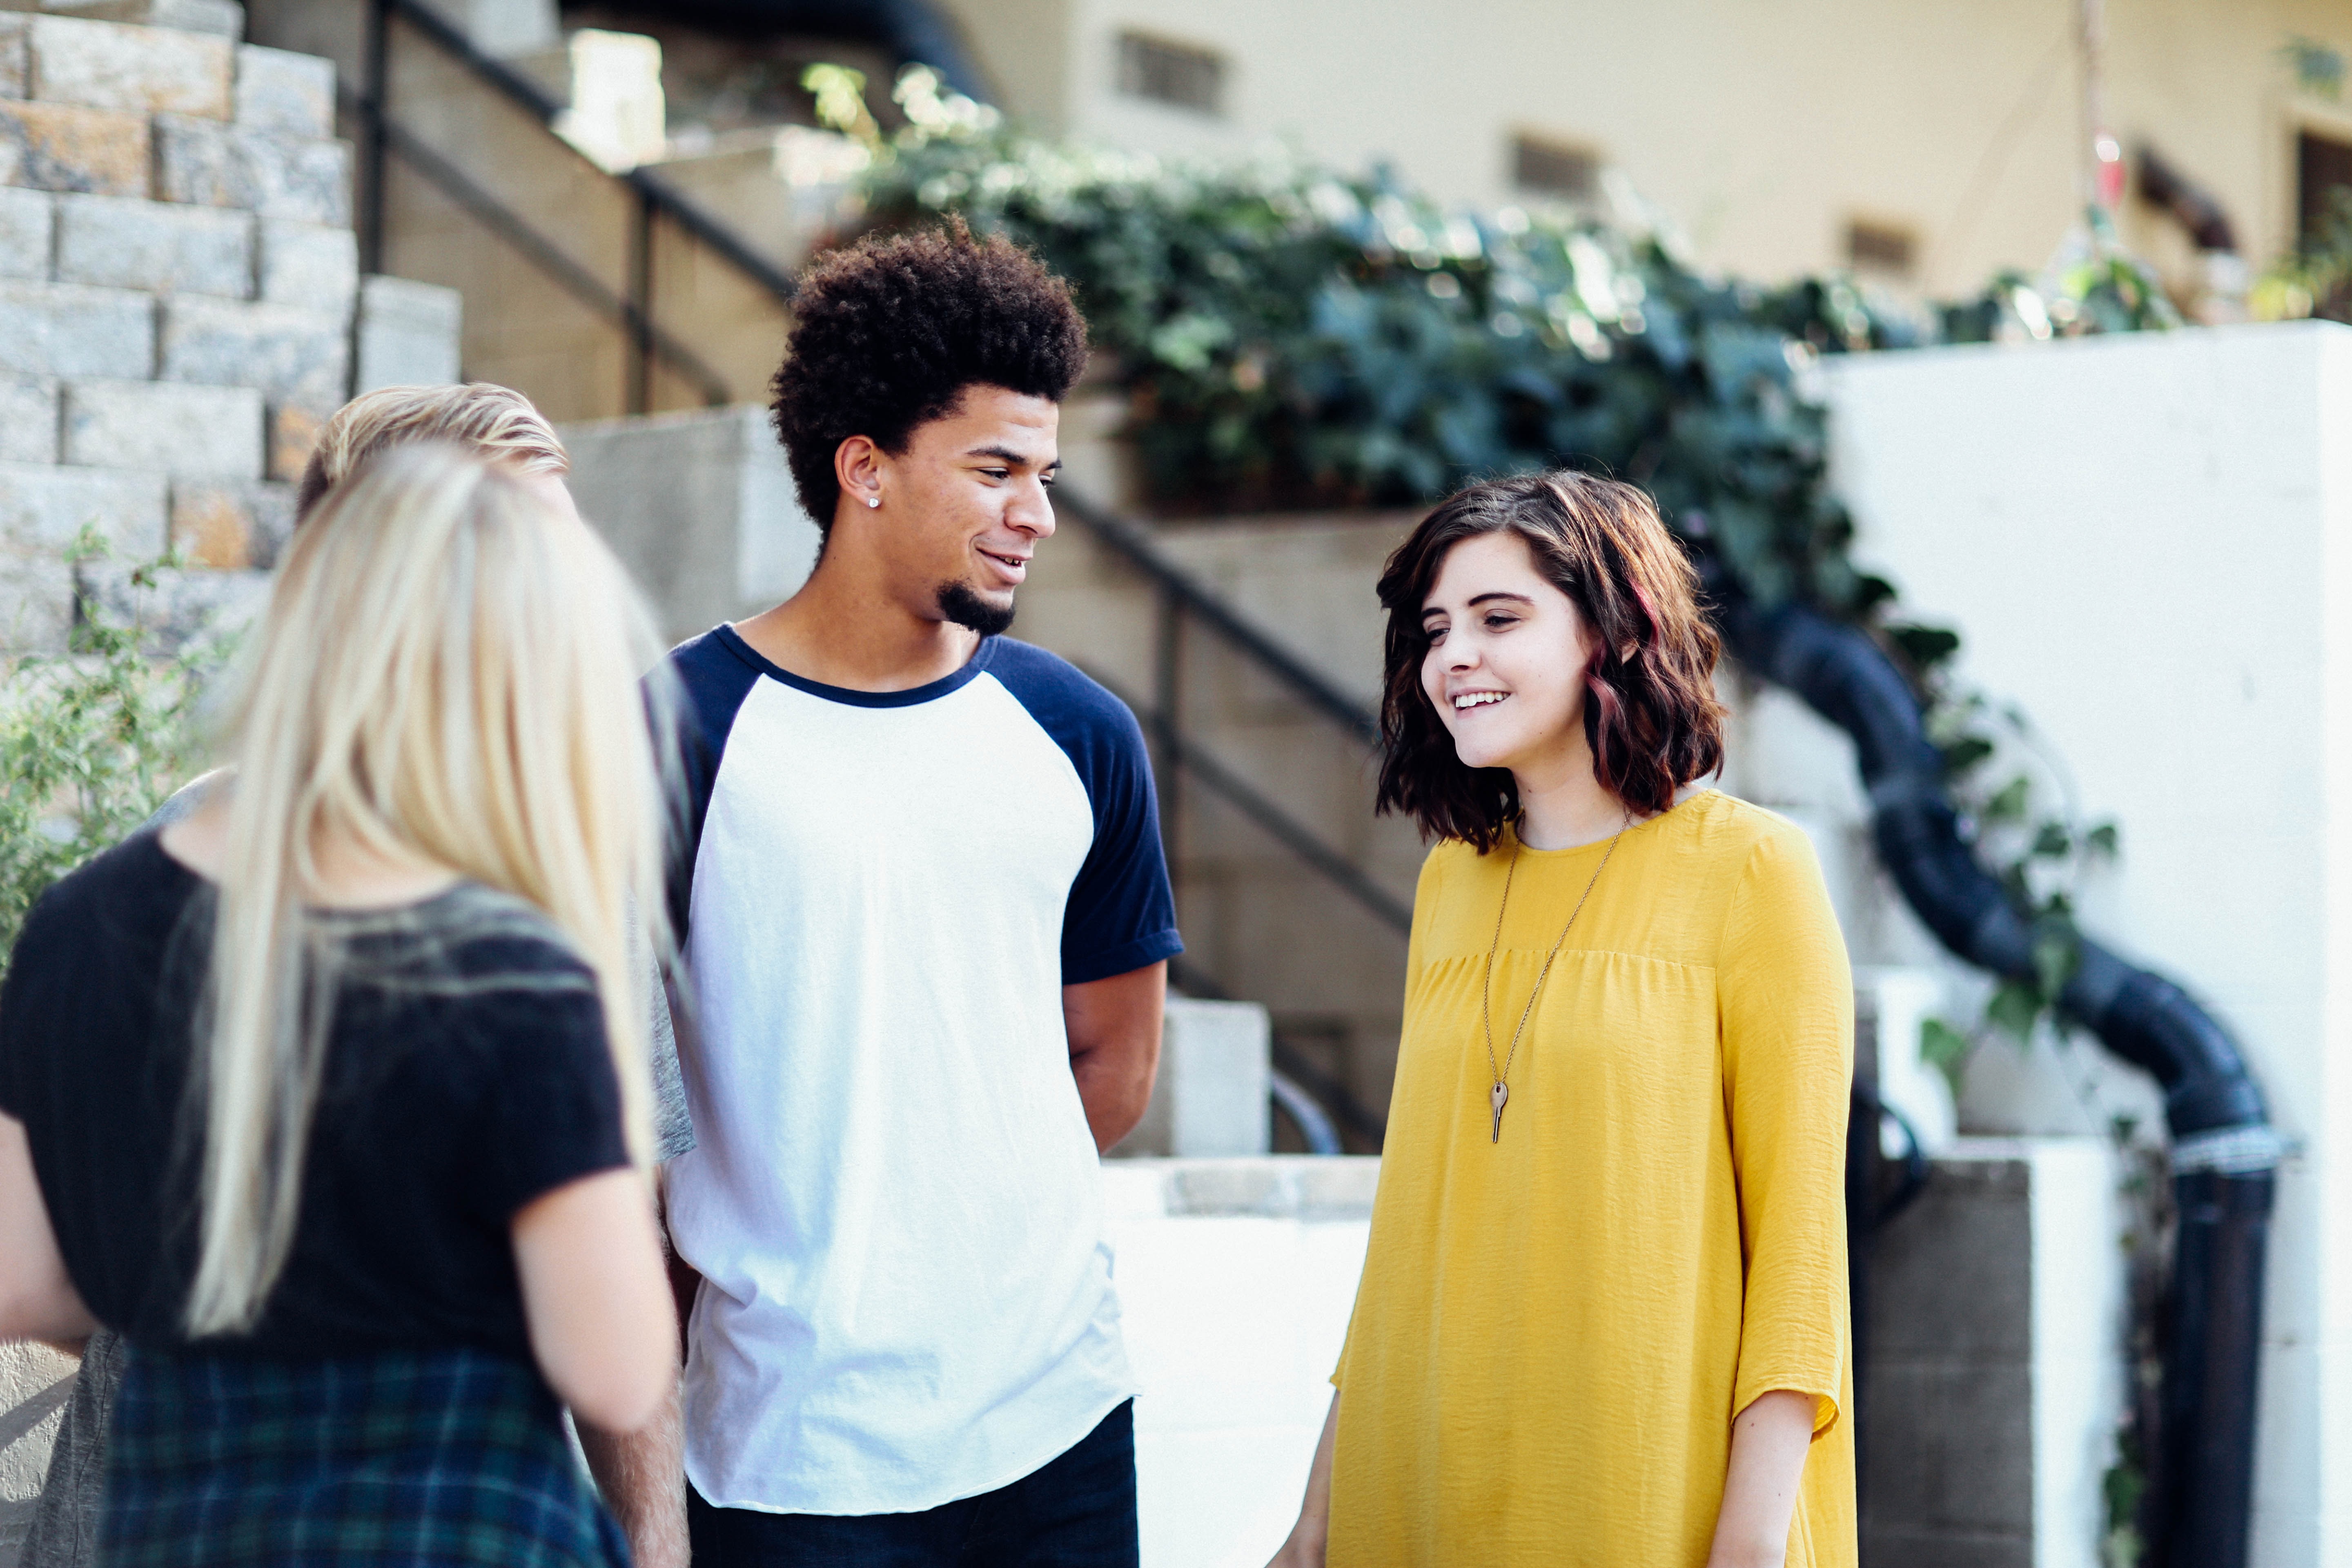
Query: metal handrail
x=1284 y=829
x=658 y=194
x=1132 y=541
x=549 y=258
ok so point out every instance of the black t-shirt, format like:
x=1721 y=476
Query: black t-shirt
x=466 y=1074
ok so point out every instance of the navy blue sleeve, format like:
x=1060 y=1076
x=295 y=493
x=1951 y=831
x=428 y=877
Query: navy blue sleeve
x=707 y=682
x=1121 y=914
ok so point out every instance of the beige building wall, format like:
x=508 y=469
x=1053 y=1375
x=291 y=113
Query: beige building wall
x=1762 y=130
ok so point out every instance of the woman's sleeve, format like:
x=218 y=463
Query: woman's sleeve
x=1787 y=1014
x=553 y=1100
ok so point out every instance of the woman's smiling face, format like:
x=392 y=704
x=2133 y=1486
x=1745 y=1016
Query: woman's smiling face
x=1506 y=660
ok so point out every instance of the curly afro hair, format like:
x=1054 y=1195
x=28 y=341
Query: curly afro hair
x=888 y=333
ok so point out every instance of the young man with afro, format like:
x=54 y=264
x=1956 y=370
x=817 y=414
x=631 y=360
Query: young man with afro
x=926 y=923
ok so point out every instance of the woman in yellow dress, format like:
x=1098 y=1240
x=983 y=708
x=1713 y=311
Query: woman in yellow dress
x=1602 y=1319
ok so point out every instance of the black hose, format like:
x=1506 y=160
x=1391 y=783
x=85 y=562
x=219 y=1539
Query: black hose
x=2225 y=1152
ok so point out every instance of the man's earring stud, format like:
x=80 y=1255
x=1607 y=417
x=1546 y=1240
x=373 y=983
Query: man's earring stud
x=873 y=501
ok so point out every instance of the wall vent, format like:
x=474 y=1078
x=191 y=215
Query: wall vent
x=1560 y=169
x=1184 y=75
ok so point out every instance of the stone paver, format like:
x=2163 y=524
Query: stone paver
x=285 y=92
x=407 y=333
x=13 y=28
x=137 y=70
x=66 y=147
x=187 y=432
x=27 y=221
x=213 y=164
x=307 y=264
x=290 y=353
x=28 y=419
x=160 y=247
x=65 y=329
x=221 y=18
x=231 y=526
x=43 y=507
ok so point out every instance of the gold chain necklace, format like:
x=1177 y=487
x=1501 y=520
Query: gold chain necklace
x=1500 y=1094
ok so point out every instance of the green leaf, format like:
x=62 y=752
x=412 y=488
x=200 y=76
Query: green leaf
x=1945 y=1049
x=2014 y=1009
x=2056 y=951
x=2008 y=802
x=2102 y=840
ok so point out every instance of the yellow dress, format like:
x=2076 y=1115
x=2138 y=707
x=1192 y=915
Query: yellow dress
x=1553 y=1332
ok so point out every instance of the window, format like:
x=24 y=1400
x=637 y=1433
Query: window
x=1882 y=247
x=2321 y=166
x=1555 y=169
x=1180 y=74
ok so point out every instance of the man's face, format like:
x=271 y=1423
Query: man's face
x=965 y=504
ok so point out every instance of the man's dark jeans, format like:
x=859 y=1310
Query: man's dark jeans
x=1076 y=1512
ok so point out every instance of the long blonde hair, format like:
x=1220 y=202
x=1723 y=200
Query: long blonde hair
x=449 y=669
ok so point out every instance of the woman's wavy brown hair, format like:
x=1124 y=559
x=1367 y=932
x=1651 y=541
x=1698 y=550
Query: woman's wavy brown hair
x=1650 y=711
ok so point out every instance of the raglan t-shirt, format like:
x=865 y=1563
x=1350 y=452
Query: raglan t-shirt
x=894 y=1200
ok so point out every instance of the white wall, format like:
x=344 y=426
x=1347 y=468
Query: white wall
x=2148 y=541
x=1235 y=1279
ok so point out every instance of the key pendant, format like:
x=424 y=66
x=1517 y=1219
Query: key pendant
x=1500 y=1094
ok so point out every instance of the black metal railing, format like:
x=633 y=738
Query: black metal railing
x=631 y=308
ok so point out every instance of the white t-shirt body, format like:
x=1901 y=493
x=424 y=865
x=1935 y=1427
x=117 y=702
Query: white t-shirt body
x=893 y=1199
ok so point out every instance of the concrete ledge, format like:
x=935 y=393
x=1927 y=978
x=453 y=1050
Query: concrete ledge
x=1268 y=1187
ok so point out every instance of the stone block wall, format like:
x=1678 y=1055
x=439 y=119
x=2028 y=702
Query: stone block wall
x=181 y=304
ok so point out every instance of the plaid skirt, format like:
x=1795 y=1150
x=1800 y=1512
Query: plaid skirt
x=429 y=1459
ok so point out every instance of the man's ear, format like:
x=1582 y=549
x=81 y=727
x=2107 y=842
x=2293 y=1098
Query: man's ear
x=859 y=465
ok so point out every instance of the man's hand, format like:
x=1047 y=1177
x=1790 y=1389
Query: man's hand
x=1114 y=1029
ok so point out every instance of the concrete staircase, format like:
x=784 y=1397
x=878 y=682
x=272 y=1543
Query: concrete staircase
x=512 y=198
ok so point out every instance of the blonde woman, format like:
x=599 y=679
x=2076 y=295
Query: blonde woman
x=500 y=426
x=372 y=1205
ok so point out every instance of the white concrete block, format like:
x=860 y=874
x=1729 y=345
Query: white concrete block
x=279 y=90
x=132 y=70
x=158 y=248
x=302 y=178
x=1212 y=1097
x=27 y=224
x=63 y=329
x=28 y=419
x=701 y=509
x=1892 y=1005
x=219 y=18
x=311 y=267
x=286 y=353
x=189 y=432
x=44 y=507
x=407 y=334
